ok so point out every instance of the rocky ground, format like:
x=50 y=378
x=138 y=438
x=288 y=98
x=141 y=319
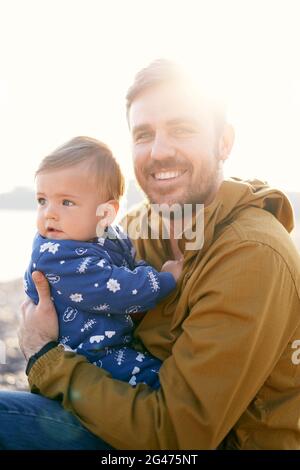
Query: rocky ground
x=12 y=363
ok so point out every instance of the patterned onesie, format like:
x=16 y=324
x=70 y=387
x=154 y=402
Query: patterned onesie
x=95 y=286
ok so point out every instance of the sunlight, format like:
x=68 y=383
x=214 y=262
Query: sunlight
x=73 y=82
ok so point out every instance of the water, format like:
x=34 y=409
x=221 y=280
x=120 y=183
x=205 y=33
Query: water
x=17 y=231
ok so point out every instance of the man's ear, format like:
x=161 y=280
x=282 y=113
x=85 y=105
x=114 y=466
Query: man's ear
x=107 y=213
x=226 y=142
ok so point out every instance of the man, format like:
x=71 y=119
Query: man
x=230 y=334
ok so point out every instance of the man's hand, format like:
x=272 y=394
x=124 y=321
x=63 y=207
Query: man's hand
x=39 y=323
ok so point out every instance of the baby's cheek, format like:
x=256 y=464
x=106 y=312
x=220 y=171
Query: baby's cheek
x=39 y=223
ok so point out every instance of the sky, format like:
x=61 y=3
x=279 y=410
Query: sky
x=66 y=65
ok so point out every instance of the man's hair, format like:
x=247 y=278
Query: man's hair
x=101 y=164
x=163 y=71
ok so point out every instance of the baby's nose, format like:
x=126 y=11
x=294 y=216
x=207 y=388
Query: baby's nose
x=51 y=213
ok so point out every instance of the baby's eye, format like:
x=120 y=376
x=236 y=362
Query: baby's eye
x=67 y=202
x=41 y=201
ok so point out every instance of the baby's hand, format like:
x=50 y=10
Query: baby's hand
x=174 y=267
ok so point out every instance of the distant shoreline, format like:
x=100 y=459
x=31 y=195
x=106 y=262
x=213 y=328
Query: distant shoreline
x=23 y=198
x=20 y=198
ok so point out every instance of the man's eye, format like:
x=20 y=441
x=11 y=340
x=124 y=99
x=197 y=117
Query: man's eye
x=142 y=137
x=66 y=202
x=41 y=201
x=183 y=130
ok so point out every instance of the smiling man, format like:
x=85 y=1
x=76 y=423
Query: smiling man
x=178 y=148
x=228 y=335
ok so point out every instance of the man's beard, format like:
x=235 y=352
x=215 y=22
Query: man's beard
x=205 y=189
x=199 y=192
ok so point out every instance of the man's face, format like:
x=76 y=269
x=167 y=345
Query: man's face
x=175 y=146
x=67 y=204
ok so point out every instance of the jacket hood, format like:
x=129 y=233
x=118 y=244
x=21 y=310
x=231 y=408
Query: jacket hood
x=236 y=194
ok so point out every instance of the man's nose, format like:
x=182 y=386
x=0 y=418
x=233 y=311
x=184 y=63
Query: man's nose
x=162 y=147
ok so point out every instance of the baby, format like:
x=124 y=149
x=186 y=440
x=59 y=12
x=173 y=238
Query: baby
x=96 y=283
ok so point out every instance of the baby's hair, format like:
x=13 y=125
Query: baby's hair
x=100 y=161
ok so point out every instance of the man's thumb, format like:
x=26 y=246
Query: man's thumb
x=41 y=285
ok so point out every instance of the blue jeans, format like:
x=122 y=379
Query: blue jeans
x=32 y=422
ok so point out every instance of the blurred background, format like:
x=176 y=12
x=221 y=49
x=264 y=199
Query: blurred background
x=64 y=71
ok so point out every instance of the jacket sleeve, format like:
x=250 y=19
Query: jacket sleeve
x=93 y=283
x=233 y=336
x=122 y=289
x=48 y=262
x=29 y=286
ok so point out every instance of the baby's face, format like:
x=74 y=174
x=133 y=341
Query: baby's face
x=67 y=204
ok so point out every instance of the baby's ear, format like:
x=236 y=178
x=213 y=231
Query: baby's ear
x=107 y=213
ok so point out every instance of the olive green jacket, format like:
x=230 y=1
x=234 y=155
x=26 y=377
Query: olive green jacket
x=229 y=337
